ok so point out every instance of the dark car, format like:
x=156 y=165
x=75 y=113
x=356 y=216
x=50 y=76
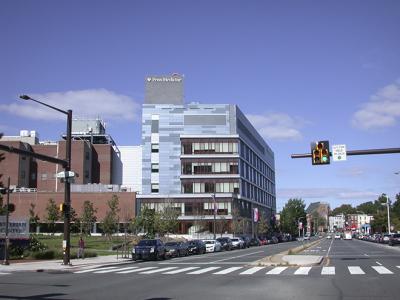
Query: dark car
x=255 y=242
x=246 y=241
x=394 y=239
x=172 y=249
x=196 y=247
x=183 y=249
x=226 y=243
x=149 y=249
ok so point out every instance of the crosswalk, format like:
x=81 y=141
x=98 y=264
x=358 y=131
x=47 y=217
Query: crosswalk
x=248 y=270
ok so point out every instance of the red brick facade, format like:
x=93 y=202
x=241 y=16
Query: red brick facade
x=23 y=201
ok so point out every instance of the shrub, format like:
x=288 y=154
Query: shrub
x=48 y=254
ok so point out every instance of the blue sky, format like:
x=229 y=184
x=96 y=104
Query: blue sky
x=301 y=70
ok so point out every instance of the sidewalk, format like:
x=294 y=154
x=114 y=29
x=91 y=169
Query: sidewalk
x=48 y=265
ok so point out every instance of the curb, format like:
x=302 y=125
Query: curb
x=277 y=259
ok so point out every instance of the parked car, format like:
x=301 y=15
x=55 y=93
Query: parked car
x=196 y=247
x=255 y=242
x=212 y=245
x=226 y=243
x=175 y=249
x=237 y=243
x=149 y=249
x=306 y=237
x=386 y=238
x=394 y=239
x=246 y=241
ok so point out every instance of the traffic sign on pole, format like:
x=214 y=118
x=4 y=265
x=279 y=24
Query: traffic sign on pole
x=339 y=152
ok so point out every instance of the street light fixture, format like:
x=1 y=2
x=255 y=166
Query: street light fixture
x=67 y=187
x=388 y=211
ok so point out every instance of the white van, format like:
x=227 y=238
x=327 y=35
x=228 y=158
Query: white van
x=347 y=235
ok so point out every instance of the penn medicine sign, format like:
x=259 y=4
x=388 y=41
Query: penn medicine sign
x=164 y=79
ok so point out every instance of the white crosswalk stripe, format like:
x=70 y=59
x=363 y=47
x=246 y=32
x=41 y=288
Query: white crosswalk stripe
x=158 y=270
x=136 y=270
x=92 y=270
x=328 y=271
x=227 y=271
x=251 y=271
x=181 y=270
x=4 y=273
x=114 y=270
x=302 y=271
x=355 y=270
x=202 y=271
x=237 y=270
x=276 y=271
x=382 y=270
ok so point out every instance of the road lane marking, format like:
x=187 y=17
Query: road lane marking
x=4 y=273
x=181 y=270
x=328 y=271
x=365 y=254
x=227 y=271
x=253 y=270
x=95 y=269
x=378 y=263
x=158 y=270
x=204 y=270
x=354 y=270
x=382 y=270
x=136 y=270
x=114 y=270
x=236 y=257
x=276 y=270
x=302 y=271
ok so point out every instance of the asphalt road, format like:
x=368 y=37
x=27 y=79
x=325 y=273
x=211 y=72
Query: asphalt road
x=351 y=270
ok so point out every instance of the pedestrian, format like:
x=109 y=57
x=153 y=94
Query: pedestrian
x=81 y=249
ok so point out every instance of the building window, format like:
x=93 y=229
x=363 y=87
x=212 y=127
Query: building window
x=154 y=168
x=155 y=148
x=154 y=126
x=154 y=187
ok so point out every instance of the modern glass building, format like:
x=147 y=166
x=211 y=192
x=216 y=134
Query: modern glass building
x=203 y=159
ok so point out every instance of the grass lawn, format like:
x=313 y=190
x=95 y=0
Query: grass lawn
x=99 y=244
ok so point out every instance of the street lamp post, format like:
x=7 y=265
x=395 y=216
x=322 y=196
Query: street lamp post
x=388 y=213
x=6 y=238
x=215 y=215
x=67 y=183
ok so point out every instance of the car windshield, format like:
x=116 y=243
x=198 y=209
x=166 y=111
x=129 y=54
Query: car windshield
x=209 y=242
x=147 y=243
x=171 y=244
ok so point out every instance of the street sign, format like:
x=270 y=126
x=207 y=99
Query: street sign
x=339 y=152
x=68 y=174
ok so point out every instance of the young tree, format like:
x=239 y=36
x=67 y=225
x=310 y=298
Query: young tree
x=88 y=217
x=169 y=220
x=291 y=213
x=75 y=221
x=33 y=217
x=111 y=220
x=262 y=225
x=52 y=214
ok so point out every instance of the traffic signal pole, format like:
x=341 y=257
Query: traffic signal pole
x=6 y=239
x=355 y=152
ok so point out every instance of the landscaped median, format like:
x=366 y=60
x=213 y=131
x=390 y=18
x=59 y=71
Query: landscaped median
x=289 y=257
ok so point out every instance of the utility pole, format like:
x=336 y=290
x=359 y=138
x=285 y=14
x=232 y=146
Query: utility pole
x=388 y=213
x=6 y=239
x=215 y=215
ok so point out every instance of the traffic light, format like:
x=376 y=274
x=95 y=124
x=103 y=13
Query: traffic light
x=320 y=153
x=62 y=207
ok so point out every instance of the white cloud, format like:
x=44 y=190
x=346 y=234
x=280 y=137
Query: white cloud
x=326 y=193
x=382 y=110
x=84 y=103
x=277 y=126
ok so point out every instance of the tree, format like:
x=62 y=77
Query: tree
x=33 y=217
x=291 y=213
x=88 y=217
x=111 y=220
x=147 y=221
x=237 y=223
x=368 y=208
x=345 y=209
x=52 y=214
x=262 y=225
x=169 y=220
x=75 y=221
